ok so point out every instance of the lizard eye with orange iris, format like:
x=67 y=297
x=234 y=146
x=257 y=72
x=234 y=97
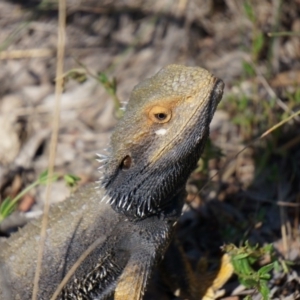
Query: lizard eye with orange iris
x=160 y=114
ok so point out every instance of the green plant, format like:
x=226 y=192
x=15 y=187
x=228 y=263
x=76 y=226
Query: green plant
x=111 y=88
x=9 y=204
x=243 y=260
x=257 y=34
x=110 y=85
x=71 y=180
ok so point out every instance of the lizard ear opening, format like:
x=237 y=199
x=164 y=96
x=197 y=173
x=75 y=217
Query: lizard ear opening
x=160 y=114
x=126 y=163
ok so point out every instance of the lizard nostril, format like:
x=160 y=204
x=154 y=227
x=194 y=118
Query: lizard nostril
x=126 y=163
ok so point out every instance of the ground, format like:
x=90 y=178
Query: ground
x=247 y=186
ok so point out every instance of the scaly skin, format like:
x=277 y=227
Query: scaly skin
x=154 y=148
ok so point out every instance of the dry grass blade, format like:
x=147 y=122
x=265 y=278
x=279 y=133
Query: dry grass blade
x=29 y=53
x=83 y=256
x=283 y=33
x=294 y=115
x=58 y=91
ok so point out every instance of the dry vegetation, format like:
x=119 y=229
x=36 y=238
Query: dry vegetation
x=234 y=196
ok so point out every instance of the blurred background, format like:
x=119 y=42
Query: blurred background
x=233 y=196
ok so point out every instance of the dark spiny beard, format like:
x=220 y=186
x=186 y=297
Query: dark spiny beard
x=149 y=190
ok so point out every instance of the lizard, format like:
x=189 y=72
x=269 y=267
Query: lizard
x=121 y=226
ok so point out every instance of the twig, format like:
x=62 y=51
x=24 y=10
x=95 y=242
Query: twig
x=78 y=262
x=283 y=33
x=297 y=113
x=56 y=122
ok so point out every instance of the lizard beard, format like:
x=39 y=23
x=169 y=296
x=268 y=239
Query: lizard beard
x=146 y=189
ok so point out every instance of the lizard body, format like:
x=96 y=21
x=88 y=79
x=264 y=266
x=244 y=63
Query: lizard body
x=154 y=148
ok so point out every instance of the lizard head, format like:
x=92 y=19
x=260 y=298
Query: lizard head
x=160 y=138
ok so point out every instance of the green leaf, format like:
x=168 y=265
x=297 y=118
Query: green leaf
x=297 y=96
x=249 y=11
x=277 y=266
x=253 y=259
x=241 y=256
x=245 y=267
x=258 y=43
x=264 y=289
x=265 y=276
x=44 y=177
x=266 y=269
x=249 y=70
x=243 y=103
x=268 y=248
x=102 y=77
x=6 y=208
x=71 y=180
x=248 y=283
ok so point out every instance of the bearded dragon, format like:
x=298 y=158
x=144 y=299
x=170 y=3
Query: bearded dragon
x=104 y=241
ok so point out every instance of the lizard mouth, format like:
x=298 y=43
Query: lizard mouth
x=218 y=90
x=216 y=95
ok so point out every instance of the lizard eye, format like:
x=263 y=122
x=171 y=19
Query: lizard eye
x=159 y=114
x=126 y=163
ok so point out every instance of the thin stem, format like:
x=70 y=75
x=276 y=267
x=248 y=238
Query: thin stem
x=56 y=122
